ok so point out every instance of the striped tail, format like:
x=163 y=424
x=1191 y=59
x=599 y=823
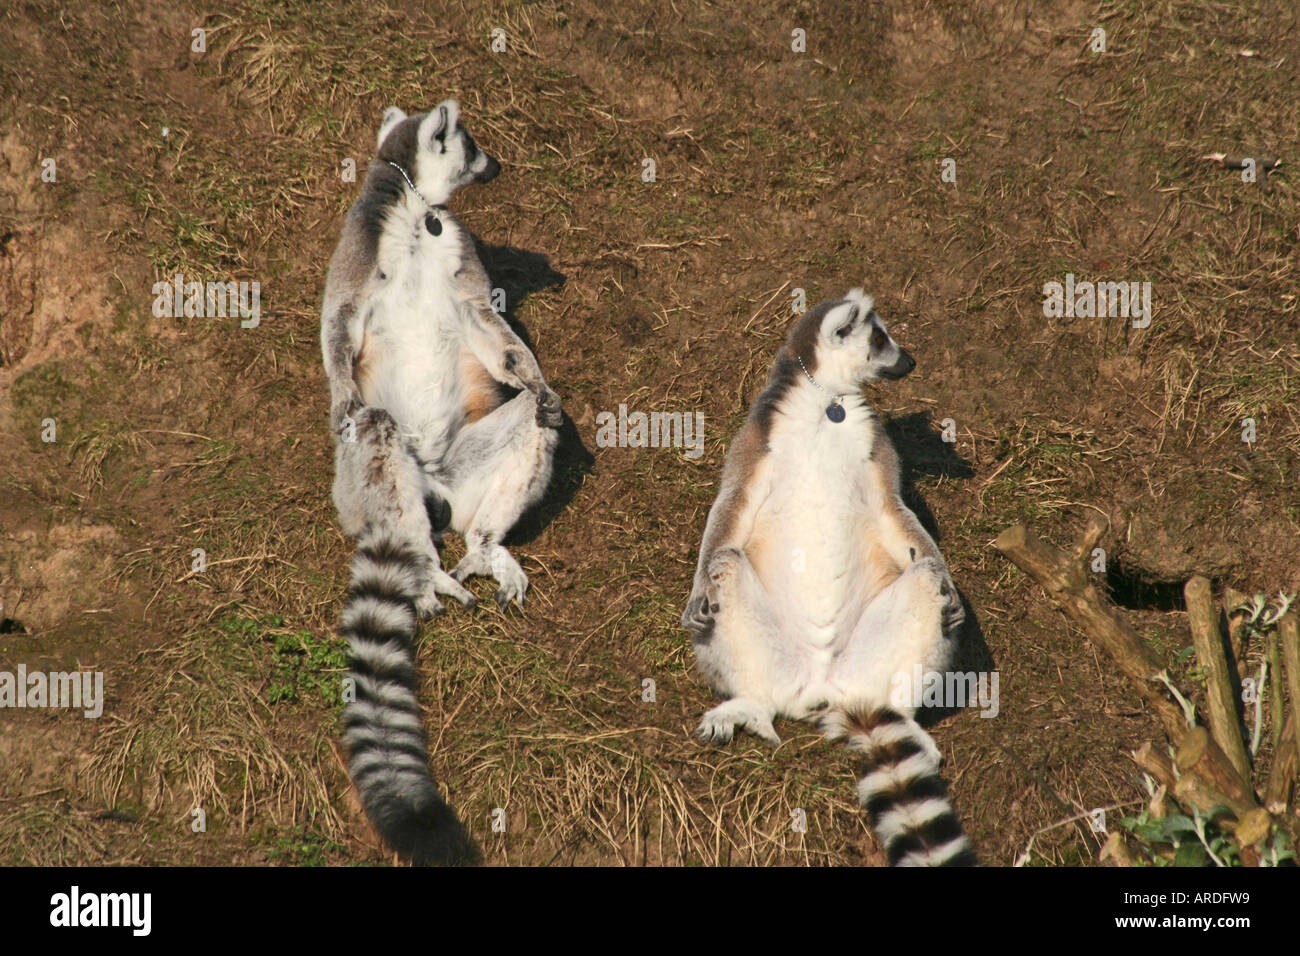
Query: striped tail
x=901 y=789
x=389 y=761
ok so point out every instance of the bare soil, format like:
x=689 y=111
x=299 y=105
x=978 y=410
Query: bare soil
x=775 y=171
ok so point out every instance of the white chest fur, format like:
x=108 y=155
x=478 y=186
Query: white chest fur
x=809 y=533
x=414 y=331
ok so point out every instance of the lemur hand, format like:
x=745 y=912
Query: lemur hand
x=698 y=616
x=344 y=409
x=953 y=613
x=700 y=609
x=549 y=414
x=706 y=599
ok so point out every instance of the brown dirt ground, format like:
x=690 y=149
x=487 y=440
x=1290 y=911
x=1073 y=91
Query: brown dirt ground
x=776 y=170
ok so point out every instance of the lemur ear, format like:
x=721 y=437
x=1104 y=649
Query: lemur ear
x=444 y=118
x=453 y=112
x=841 y=321
x=392 y=116
x=434 y=125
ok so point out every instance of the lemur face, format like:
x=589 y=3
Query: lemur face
x=856 y=348
x=436 y=151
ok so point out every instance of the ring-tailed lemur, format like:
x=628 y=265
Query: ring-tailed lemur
x=382 y=503
x=816 y=585
x=414 y=350
x=407 y=325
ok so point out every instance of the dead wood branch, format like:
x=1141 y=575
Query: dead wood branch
x=1235 y=623
x=1155 y=763
x=1221 y=700
x=1200 y=754
x=1067 y=582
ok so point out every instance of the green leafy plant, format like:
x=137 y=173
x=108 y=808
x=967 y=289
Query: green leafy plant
x=302 y=847
x=1179 y=840
x=1262 y=614
x=1175 y=839
x=301 y=662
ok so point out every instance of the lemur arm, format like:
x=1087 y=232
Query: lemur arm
x=339 y=340
x=746 y=485
x=903 y=535
x=508 y=360
x=731 y=520
x=502 y=352
x=901 y=532
x=494 y=343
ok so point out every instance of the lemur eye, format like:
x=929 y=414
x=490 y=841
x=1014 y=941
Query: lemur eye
x=878 y=339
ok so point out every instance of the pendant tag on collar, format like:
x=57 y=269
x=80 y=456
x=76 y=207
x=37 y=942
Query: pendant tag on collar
x=835 y=412
x=433 y=224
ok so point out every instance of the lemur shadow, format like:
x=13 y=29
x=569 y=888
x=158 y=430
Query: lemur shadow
x=519 y=273
x=923 y=452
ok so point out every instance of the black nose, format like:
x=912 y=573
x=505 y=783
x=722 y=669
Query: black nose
x=900 y=368
x=489 y=171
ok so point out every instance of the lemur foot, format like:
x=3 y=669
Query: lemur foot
x=512 y=582
x=474 y=563
x=444 y=583
x=719 y=724
x=504 y=597
x=428 y=606
x=513 y=587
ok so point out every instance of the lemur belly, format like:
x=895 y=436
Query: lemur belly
x=414 y=364
x=413 y=360
x=808 y=545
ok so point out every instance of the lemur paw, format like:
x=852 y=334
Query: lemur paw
x=704 y=604
x=474 y=563
x=723 y=563
x=712 y=731
x=698 y=617
x=444 y=583
x=512 y=586
x=342 y=412
x=953 y=613
x=503 y=597
x=549 y=413
x=719 y=725
x=427 y=607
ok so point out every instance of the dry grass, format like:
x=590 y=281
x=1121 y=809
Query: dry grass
x=774 y=173
x=203 y=736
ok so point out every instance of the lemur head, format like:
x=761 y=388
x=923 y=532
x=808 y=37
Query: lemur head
x=849 y=344
x=436 y=151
